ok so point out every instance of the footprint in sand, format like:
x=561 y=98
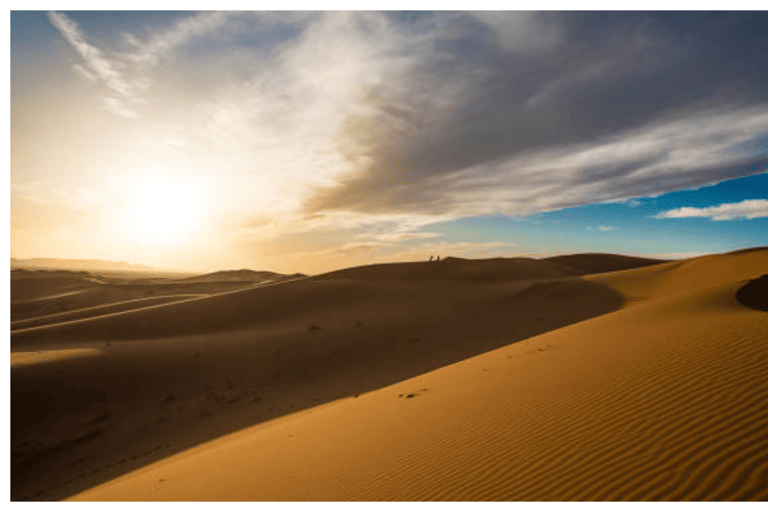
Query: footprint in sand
x=413 y=395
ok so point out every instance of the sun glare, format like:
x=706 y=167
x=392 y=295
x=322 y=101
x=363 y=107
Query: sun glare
x=163 y=210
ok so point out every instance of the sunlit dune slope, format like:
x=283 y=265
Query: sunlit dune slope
x=239 y=275
x=110 y=394
x=663 y=399
x=687 y=277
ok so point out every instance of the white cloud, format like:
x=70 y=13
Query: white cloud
x=606 y=228
x=747 y=209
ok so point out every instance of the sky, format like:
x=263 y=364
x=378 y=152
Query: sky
x=298 y=141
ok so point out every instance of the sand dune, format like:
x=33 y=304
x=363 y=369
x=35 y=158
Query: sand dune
x=754 y=294
x=661 y=400
x=48 y=292
x=240 y=275
x=494 y=269
x=340 y=292
x=641 y=384
x=581 y=264
x=176 y=375
x=41 y=284
x=105 y=309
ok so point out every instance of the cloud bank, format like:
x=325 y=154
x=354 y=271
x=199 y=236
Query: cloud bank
x=368 y=115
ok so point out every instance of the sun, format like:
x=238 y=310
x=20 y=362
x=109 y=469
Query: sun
x=163 y=209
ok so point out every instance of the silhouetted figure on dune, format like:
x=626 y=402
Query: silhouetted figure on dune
x=430 y=259
x=438 y=257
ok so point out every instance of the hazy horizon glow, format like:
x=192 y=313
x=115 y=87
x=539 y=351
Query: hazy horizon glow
x=310 y=141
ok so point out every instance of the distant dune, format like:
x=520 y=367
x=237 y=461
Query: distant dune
x=239 y=275
x=46 y=296
x=67 y=264
x=501 y=379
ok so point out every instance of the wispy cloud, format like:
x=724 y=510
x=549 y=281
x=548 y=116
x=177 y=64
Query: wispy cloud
x=74 y=199
x=521 y=31
x=184 y=30
x=97 y=66
x=118 y=107
x=747 y=209
x=350 y=249
x=401 y=236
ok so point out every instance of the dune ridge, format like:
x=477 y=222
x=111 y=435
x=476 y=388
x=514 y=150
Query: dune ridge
x=112 y=307
x=594 y=263
x=662 y=399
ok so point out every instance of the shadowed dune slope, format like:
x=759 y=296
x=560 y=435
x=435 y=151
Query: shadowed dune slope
x=111 y=307
x=43 y=293
x=582 y=264
x=94 y=403
x=663 y=399
x=37 y=284
x=454 y=269
x=279 y=301
x=495 y=268
x=754 y=294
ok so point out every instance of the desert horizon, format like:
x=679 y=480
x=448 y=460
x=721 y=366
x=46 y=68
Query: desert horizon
x=403 y=256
